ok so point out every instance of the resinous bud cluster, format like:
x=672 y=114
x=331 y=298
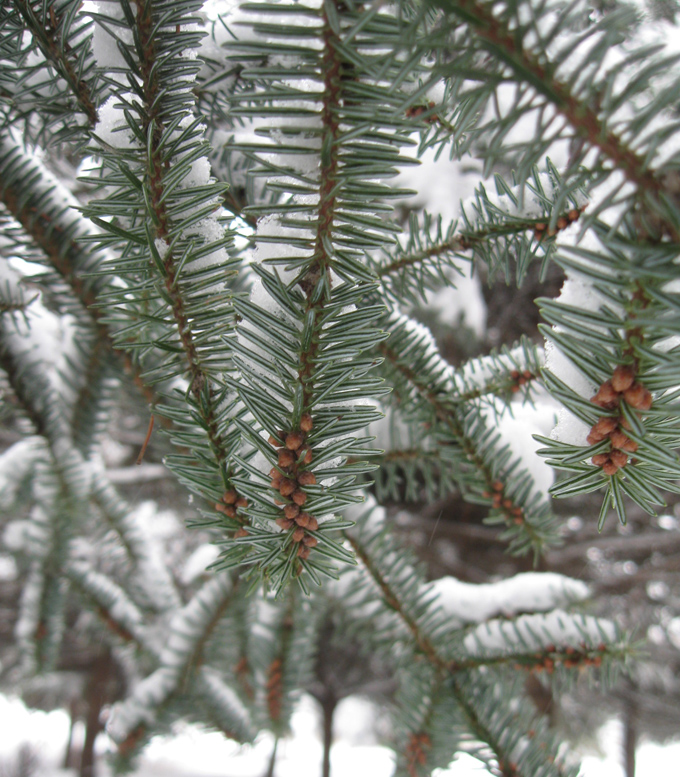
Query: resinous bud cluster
x=290 y=478
x=621 y=386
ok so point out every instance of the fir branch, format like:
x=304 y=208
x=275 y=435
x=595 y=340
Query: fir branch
x=425 y=728
x=13 y=369
x=476 y=475
x=149 y=571
x=299 y=349
x=587 y=644
x=492 y=721
x=115 y=609
x=392 y=600
x=406 y=474
x=460 y=242
x=537 y=70
x=181 y=656
x=505 y=231
x=176 y=302
x=120 y=616
x=513 y=742
x=48 y=216
x=629 y=301
x=156 y=162
x=176 y=242
x=51 y=32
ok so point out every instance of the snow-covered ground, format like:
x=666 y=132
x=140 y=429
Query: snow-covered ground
x=195 y=753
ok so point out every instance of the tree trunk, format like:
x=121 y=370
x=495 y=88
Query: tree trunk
x=95 y=696
x=328 y=705
x=630 y=739
x=69 y=760
x=272 y=760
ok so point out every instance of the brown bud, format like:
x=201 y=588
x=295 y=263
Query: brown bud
x=287 y=487
x=562 y=222
x=303 y=552
x=638 y=397
x=230 y=497
x=286 y=458
x=240 y=533
x=303 y=519
x=294 y=440
x=574 y=214
x=298 y=534
x=228 y=510
x=299 y=497
x=306 y=423
x=540 y=226
x=600 y=459
x=623 y=442
x=609 y=468
x=307 y=478
x=313 y=524
x=623 y=378
x=594 y=437
x=310 y=542
x=605 y=426
x=273 y=441
x=276 y=482
x=514 y=374
x=291 y=511
x=619 y=458
x=497 y=485
x=630 y=446
x=606 y=395
x=307 y=459
x=242 y=502
x=284 y=523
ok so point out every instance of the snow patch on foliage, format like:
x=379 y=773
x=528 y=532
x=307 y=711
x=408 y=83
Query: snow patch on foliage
x=198 y=562
x=526 y=592
x=187 y=627
x=106 y=36
x=17 y=464
x=112 y=126
x=461 y=302
x=581 y=294
x=516 y=425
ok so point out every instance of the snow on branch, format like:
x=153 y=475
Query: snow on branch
x=526 y=592
x=187 y=633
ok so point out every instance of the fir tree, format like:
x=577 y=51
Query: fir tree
x=203 y=206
